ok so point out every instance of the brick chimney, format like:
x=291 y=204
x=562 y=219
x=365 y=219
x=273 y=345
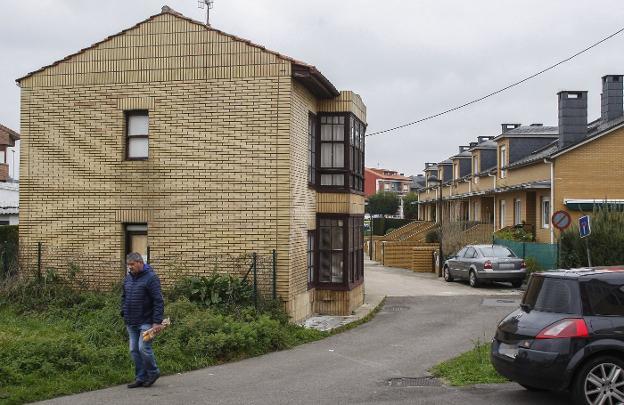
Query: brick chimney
x=611 y=98
x=572 y=117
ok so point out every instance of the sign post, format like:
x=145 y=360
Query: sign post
x=585 y=231
x=560 y=220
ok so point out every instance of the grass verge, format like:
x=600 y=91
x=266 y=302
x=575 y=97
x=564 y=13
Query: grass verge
x=472 y=367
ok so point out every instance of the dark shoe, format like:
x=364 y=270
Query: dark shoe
x=135 y=384
x=150 y=381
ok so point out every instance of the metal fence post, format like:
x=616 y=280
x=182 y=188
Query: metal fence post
x=39 y=244
x=274 y=274
x=255 y=279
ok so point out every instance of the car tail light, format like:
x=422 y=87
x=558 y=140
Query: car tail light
x=523 y=265
x=565 y=328
x=487 y=265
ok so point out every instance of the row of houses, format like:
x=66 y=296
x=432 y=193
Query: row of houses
x=523 y=174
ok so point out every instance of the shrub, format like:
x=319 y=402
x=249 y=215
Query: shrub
x=515 y=234
x=217 y=290
x=433 y=236
x=606 y=241
x=532 y=266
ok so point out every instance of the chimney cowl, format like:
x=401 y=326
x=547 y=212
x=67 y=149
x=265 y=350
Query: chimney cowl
x=509 y=127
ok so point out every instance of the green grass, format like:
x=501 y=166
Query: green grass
x=472 y=367
x=68 y=349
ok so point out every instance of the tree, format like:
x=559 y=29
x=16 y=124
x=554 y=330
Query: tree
x=383 y=203
x=410 y=206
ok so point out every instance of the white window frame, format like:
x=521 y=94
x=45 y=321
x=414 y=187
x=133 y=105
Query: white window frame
x=136 y=134
x=502 y=208
x=517 y=211
x=503 y=161
x=545 y=217
x=475 y=168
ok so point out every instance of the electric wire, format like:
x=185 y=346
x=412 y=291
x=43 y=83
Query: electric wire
x=476 y=100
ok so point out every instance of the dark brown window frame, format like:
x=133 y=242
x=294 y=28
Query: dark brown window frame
x=312 y=149
x=128 y=234
x=311 y=257
x=348 y=256
x=127 y=115
x=346 y=169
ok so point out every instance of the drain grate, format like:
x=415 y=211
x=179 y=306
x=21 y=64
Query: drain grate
x=396 y=308
x=414 y=382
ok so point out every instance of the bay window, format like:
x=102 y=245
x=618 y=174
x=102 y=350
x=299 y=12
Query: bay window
x=340 y=263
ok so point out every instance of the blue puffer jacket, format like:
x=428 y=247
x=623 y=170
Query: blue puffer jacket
x=142 y=301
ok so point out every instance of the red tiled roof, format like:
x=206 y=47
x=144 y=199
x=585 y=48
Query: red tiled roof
x=167 y=10
x=380 y=174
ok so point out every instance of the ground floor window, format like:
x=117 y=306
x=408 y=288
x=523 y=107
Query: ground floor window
x=502 y=213
x=340 y=261
x=545 y=212
x=311 y=251
x=136 y=240
x=517 y=212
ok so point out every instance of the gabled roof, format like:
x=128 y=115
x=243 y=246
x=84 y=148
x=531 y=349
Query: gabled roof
x=307 y=74
x=530 y=131
x=599 y=131
x=8 y=136
x=485 y=145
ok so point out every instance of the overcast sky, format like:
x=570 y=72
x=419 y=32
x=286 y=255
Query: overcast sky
x=407 y=59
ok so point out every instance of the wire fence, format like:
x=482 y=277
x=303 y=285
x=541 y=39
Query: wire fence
x=105 y=269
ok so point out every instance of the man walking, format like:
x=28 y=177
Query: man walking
x=142 y=308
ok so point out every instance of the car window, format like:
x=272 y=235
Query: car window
x=549 y=294
x=461 y=252
x=604 y=298
x=470 y=253
x=496 y=251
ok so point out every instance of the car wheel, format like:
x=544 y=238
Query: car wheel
x=531 y=388
x=516 y=283
x=600 y=381
x=447 y=274
x=473 y=280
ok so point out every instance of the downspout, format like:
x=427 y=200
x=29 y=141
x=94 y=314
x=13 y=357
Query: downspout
x=494 y=193
x=552 y=196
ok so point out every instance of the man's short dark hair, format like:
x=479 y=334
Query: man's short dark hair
x=134 y=257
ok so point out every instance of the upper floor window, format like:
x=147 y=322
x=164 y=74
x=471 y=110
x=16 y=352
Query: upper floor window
x=475 y=168
x=456 y=171
x=503 y=161
x=137 y=135
x=341 y=146
x=311 y=149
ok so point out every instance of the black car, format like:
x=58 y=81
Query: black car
x=567 y=335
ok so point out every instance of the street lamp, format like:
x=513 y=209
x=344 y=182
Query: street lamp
x=433 y=180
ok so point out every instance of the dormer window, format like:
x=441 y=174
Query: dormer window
x=503 y=161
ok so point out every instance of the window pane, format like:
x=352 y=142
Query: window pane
x=138 y=124
x=337 y=268
x=336 y=238
x=338 y=179
x=325 y=238
x=325 y=267
x=338 y=155
x=137 y=147
x=338 y=131
x=326 y=155
x=326 y=132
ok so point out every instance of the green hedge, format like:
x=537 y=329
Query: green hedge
x=9 y=233
x=606 y=241
x=381 y=226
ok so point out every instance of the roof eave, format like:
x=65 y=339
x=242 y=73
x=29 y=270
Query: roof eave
x=314 y=81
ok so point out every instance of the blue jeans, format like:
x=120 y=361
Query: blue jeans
x=142 y=354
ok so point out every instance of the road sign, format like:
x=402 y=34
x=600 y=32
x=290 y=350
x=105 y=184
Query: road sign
x=584 y=226
x=561 y=220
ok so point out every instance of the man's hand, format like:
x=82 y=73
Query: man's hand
x=157 y=327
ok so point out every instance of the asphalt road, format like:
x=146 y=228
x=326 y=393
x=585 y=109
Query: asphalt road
x=405 y=339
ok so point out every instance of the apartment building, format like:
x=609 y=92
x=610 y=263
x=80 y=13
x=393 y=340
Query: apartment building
x=525 y=173
x=187 y=143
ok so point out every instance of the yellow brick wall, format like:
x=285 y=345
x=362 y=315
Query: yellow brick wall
x=535 y=172
x=218 y=178
x=592 y=171
x=541 y=234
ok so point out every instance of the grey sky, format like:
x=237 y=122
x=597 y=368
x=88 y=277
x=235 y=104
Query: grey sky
x=407 y=59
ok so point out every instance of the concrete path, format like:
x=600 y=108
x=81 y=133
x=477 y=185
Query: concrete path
x=405 y=339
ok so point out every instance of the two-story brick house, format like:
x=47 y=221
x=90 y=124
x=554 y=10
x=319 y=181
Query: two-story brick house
x=192 y=145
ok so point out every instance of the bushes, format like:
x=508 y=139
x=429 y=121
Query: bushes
x=517 y=234
x=606 y=241
x=64 y=340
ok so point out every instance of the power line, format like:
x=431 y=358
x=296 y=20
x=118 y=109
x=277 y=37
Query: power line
x=476 y=100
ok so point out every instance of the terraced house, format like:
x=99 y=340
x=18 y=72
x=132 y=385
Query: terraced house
x=194 y=146
x=525 y=173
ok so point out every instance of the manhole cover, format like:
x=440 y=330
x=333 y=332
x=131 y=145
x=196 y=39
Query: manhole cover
x=396 y=308
x=414 y=382
x=499 y=302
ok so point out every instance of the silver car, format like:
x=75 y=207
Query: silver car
x=477 y=263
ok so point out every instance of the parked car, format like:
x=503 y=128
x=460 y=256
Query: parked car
x=567 y=335
x=477 y=263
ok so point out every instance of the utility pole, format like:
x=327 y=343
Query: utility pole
x=208 y=5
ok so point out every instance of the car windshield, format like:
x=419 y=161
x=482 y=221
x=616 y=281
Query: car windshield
x=549 y=294
x=496 y=251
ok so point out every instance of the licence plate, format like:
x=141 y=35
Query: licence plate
x=510 y=351
x=506 y=266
